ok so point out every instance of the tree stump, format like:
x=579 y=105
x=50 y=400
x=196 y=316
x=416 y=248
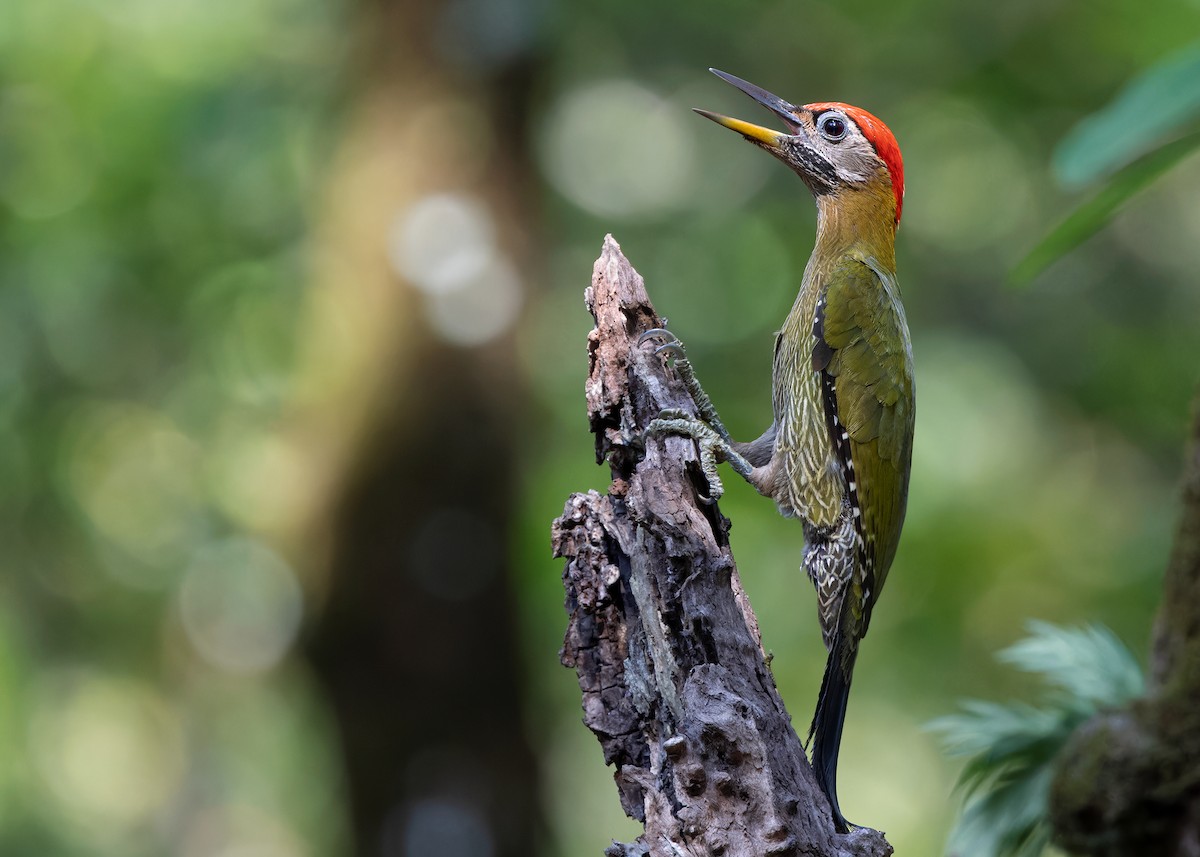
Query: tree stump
x=675 y=682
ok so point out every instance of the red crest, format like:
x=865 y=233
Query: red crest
x=881 y=138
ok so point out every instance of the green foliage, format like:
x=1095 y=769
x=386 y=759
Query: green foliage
x=1118 y=141
x=1089 y=218
x=1088 y=666
x=1010 y=747
x=158 y=171
x=1158 y=102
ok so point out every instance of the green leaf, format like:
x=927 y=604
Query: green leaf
x=1009 y=820
x=1011 y=746
x=982 y=726
x=1156 y=103
x=1089 y=664
x=1086 y=220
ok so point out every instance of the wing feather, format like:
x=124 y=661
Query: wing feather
x=861 y=337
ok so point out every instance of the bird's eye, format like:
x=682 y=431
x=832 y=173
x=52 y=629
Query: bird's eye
x=832 y=126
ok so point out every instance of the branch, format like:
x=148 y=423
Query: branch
x=1128 y=781
x=1177 y=631
x=670 y=662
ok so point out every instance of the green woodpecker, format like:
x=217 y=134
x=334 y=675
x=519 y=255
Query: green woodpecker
x=837 y=455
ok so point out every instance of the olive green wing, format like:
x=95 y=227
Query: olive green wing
x=863 y=353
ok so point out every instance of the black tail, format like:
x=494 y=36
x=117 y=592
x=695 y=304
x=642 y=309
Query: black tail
x=827 y=723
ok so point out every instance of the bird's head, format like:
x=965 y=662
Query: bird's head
x=834 y=147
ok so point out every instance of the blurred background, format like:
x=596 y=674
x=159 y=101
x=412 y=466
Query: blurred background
x=291 y=386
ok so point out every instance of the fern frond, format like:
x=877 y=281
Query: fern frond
x=1010 y=746
x=1089 y=664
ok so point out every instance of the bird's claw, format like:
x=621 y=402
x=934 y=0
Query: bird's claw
x=709 y=433
x=659 y=333
x=673 y=350
x=711 y=446
x=669 y=344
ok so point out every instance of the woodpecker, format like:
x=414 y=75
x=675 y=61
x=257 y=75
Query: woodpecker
x=838 y=452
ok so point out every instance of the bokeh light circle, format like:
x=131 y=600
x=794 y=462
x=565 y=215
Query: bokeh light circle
x=616 y=149
x=241 y=606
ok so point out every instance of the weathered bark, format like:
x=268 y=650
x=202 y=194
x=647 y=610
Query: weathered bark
x=675 y=683
x=1128 y=782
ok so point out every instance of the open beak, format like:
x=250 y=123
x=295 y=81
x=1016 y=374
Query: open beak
x=756 y=133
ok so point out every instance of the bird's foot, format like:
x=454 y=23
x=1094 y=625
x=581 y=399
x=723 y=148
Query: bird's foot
x=667 y=342
x=670 y=347
x=712 y=447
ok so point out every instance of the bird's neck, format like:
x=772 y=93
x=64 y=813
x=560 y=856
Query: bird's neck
x=859 y=223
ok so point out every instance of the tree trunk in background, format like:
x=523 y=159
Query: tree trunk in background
x=1128 y=782
x=415 y=640
x=416 y=645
